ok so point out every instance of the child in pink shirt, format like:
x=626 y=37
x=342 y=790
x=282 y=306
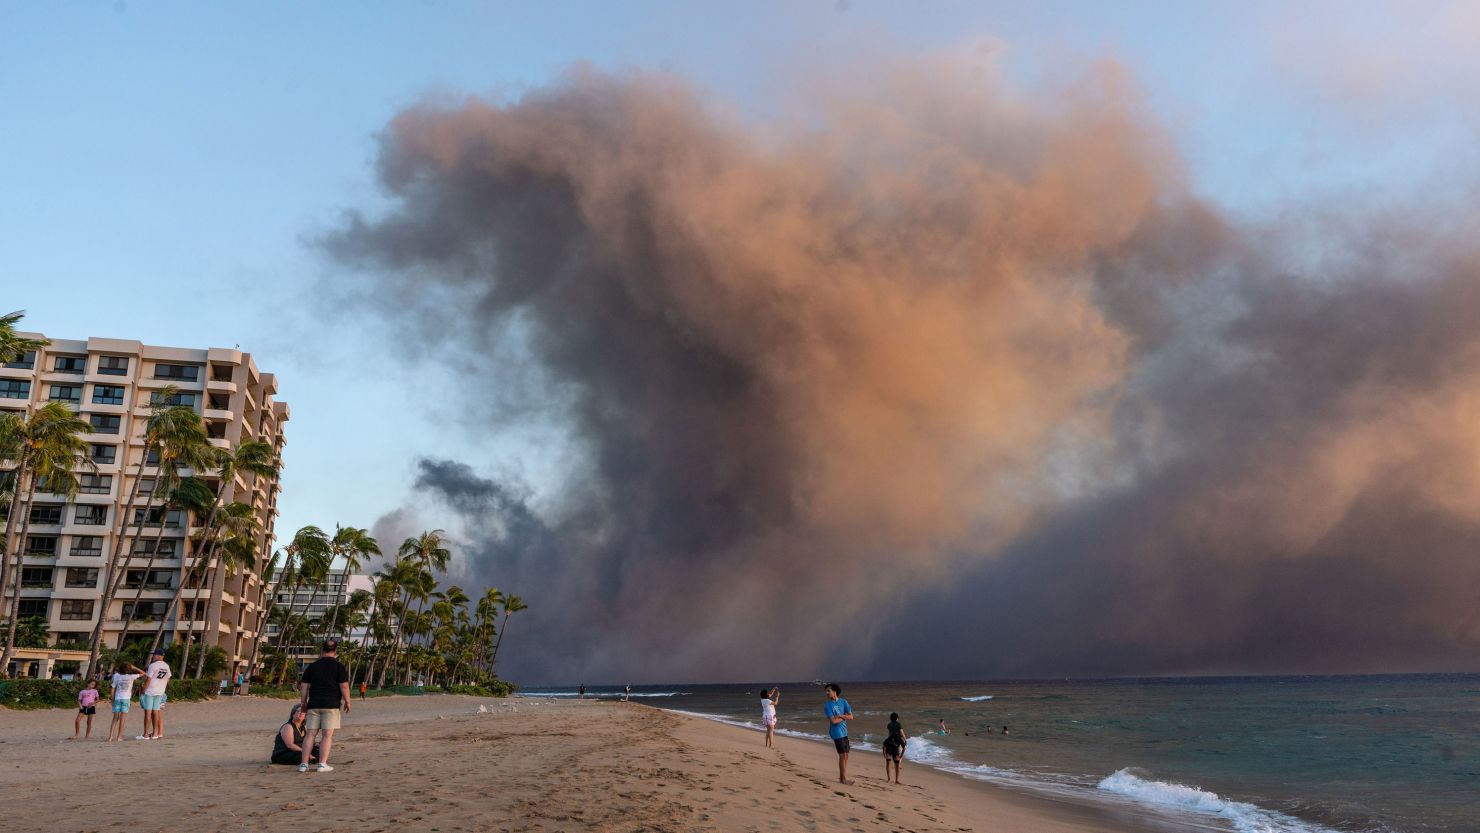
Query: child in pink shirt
x=87 y=704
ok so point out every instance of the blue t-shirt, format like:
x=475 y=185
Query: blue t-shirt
x=833 y=708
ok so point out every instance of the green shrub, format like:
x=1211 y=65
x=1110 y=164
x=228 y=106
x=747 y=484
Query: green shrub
x=56 y=694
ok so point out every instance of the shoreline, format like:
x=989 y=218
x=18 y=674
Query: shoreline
x=524 y=764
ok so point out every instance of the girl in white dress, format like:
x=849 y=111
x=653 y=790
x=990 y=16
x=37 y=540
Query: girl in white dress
x=768 y=713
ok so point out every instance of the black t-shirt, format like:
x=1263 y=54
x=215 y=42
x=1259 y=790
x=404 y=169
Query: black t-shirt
x=323 y=676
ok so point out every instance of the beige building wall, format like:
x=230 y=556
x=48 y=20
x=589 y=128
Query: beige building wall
x=110 y=382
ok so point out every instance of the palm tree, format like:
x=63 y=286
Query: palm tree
x=512 y=604
x=352 y=545
x=434 y=557
x=266 y=577
x=238 y=552
x=235 y=519
x=181 y=428
x=308 y=559
x=12 y=345
x=403 y=575
x=189 y=496
x=47 y=447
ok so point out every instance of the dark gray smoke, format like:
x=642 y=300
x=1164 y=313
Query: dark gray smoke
x=963 y=380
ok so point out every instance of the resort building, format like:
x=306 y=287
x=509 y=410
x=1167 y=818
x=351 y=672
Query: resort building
x=316 y=606
x=112 y=384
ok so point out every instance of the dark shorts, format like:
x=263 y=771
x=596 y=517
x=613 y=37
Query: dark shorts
x=87 y=710
x=893 y=750
x=841 y=744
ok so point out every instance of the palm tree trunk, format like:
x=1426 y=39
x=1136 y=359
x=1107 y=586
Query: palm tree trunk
x=396 y=640
x=15 y=600
x=502 y=626
x=148 y=568
x=115 y=559
x=174 y=601
x=12 y=519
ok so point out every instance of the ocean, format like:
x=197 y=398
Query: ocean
x=1377 y=754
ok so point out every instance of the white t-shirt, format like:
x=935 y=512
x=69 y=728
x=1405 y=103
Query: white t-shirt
x=159 y=677
x=123 y=686
x=768 y=709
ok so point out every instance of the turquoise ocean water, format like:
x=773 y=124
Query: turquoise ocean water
x=1399 y=754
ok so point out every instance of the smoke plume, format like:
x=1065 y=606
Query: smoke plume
x=954 y=376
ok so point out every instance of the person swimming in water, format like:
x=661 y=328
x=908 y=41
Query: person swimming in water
x=943 y=729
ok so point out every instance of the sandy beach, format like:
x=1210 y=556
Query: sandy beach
x=435 y=763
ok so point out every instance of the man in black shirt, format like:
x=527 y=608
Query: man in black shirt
x=324 y=689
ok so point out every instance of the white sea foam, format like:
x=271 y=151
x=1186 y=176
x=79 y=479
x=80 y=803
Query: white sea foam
x=979 y=698
x=1245 y=818
x=1123 y=785
x=599 y=695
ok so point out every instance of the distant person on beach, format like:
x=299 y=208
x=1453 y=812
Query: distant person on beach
x=124 y=675
x=324 y=694
x=156 y=680
x=894 y=744
x=87 y=706
x=626 y=693
x=1004 y=730
x=769 y=699
x=838 y=712
x=362 y=689
x=287 y=746
x=583 y=691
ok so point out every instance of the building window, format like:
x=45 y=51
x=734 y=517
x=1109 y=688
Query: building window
x=152 y=458
x=66 y=393
x=164 y=547
x=26 y=362
x=42 y=545
x=69 y=364
x=104 y=453
x=77 y=608
x=46 y=514
x=15 y=389
x=82 y=576
x=184 y=372
x=146 y=485
x=219 y=402
x=216 y=430
x=32 y=607
x=158 y=579
x=86 y=545
x=177 y=398
x=113 y=365
x=171 y=519
x=95 y=484
x=35 y=576
x=89 y=515
x=221 y=372
x=143 y=611
x=105 y=423
x=107 y=395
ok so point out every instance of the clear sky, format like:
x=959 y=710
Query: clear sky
x=187 y=151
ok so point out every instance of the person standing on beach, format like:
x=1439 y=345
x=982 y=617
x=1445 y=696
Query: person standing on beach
x=769 y=699
x=324 y=694
x=362 y=689
x=838 y=712
x=156 y=679
x=87 y=706
x=583 y=691
x=124 y=675
x=894 y=744
x=626 y=693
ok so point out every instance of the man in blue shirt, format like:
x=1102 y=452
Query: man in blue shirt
x=838 y=712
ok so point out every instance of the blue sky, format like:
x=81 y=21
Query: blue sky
x=190 y=150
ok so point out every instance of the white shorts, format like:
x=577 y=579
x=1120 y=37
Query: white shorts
x=769 y=720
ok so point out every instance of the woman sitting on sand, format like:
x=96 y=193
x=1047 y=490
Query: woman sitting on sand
x=287 y=747
x=894 y=746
